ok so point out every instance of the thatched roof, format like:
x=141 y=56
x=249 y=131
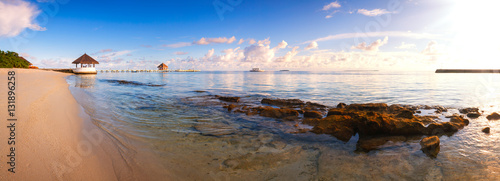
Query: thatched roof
x=162 y=65
x=85 y=59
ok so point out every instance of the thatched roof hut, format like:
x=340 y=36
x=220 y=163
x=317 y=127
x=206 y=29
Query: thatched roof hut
x=85 y=59
x=162 y=66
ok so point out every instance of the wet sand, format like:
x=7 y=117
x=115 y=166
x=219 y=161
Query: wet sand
x=54 y=138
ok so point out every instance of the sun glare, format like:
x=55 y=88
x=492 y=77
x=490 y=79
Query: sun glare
x=475 y=30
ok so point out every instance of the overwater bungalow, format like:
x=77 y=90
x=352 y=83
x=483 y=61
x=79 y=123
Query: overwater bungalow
x=87 y=65
x=162 y=66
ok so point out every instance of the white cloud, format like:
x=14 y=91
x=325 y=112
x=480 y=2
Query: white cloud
x=406 y=46
x=374 y=12
x=231 y=40
x=312 y=45
x=375 y=34
x=288 y=56
x=432 y=49
x=331 y=5
x=262 y=52
x=331 y=14
x=251 y=41
x=373 y=46
x=177 y=45
x=258 y=53
x=17 y=15
x=241 y=41
x=206 y=41
x=181 y=53
x=112 y=56
x=209 y=54
x=264 y=42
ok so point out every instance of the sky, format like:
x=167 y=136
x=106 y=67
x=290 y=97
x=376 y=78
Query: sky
x=312 y=35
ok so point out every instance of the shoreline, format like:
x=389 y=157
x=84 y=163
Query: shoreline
x=55 y=138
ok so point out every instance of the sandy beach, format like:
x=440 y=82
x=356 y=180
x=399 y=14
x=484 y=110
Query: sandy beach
x=54 y=138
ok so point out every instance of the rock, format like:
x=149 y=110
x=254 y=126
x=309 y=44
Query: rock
x=368 y=144
x=406 y=114
x=486 y=130
x=473 y=115
x=440 y=109
x=339 y=126
x=268 y=111
x=493 y=116
x=380 y=107
x=315 y=105
x=341 y=105
x=283 y=102
x=199 y=91
x=313 y=114
x=214 y=129
x=468 y=110
x=229 y=99
x=430 y=146
x=230 y=107
x=459 y=120
x=418 y=112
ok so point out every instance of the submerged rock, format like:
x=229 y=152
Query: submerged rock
x=283 y=102
x=473 y=115
x=369 y=107
x=341 y=105
x=430 y=146
x=486 y=130
x=339 y=126
x=268 y=111
x=468 y=110
x=312 y=114
x=229 y=99
x=493 y=116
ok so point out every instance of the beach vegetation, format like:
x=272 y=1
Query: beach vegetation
x=10 y=59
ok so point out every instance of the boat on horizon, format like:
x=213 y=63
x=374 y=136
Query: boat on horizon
x=256 y=70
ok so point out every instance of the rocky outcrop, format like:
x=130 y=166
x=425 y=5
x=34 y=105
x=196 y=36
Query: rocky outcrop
x=313 y=114
x=356 y=119
x=380 y=107
x=468 y=110
x=493 y=116
x=229 y=99
x=271 y=112
x=430 y=146
x=283 y=102
x=486 y=130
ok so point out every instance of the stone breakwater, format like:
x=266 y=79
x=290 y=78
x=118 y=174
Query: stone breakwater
x=375 y=123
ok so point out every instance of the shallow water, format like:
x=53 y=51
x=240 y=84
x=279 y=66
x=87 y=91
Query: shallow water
x=159 y=121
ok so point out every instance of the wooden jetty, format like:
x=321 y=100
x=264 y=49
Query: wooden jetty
x=125 y=71
x=467 y=71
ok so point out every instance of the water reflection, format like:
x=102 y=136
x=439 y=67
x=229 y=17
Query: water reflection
x=85 y=81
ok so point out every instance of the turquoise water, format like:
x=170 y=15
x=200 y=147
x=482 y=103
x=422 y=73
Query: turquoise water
x=158 y=121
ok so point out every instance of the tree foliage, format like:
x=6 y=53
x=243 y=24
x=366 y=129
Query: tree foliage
x=10 y=59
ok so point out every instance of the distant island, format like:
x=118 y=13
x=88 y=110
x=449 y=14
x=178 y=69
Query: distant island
x=467 y=71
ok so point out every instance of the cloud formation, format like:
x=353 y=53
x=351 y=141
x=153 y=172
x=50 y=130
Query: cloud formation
x=331 y=5
x=17 y=15
x=406 y=46
x=374 y=12
x=312 y=45
x=431 y=49
x=177 y=45
x=373 y=46
x=181 y=53
x=375 y=34
x=206 y=41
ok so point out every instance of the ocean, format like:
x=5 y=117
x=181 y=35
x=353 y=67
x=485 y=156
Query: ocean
x=153 y=117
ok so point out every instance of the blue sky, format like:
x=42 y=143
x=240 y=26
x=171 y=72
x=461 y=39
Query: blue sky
x=241 y=34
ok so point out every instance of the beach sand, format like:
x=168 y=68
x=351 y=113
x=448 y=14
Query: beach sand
x=54 y=138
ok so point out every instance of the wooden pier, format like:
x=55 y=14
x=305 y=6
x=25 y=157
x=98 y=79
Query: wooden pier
x=136 y=71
